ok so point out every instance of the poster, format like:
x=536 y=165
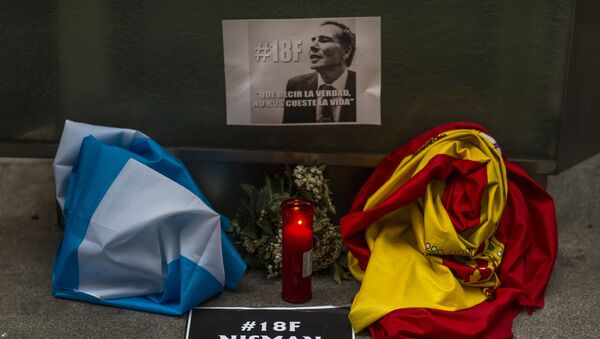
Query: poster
x=316 y=322
x=303 y=71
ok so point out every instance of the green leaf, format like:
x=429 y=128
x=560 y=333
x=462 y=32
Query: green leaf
x=245 y=211
x=275 y=202
x=262 y=199
x=269 y=183
x=340 y=273
x=245 y=216
x=337 y=273
x=249 y=230
x=320 y=224
x=288 y=176
x=266 y=227
x=249 y=190
x=341 y=260
x=282 y=184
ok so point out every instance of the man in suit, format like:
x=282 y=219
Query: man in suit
x=329 y=93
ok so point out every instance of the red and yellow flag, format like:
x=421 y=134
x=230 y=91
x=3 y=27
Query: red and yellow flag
x=449 y=239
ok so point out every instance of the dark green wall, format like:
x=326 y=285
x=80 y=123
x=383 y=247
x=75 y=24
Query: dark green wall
x=157 y=66
x=28 y=70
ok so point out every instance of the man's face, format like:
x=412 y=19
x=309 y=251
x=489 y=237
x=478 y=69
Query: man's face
x=325 y=48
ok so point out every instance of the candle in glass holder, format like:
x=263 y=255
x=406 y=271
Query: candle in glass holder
x=297 y=221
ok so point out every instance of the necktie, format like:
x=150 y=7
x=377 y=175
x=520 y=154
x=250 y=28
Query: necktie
x=326 y=110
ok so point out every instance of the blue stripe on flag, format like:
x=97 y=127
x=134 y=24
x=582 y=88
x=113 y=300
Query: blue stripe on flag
x=96 y=180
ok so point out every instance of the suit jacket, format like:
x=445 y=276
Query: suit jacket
x=305 y=114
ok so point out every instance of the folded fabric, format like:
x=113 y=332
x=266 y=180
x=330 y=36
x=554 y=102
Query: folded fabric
x=139 y=233
x=449 y=239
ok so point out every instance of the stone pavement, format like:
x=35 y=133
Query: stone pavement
x=29 y=237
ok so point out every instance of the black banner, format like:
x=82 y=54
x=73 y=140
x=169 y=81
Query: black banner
x=269 y=323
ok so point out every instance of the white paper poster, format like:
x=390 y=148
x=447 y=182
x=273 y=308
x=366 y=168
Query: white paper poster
x=303 y=71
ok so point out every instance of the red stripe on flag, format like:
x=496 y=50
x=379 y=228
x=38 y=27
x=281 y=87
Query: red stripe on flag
x=386 y=167
x=462 y=198
x=528 y=230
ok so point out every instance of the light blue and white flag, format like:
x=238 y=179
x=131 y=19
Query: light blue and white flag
x=139 y=233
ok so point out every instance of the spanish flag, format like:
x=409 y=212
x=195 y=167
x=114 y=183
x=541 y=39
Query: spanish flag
x=449 y=239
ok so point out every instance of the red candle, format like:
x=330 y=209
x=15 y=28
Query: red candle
x=297 y=220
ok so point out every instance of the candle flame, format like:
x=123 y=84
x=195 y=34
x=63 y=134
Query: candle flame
x=300 y=222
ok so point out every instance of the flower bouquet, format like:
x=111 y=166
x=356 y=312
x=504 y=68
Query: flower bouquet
x=257 y=228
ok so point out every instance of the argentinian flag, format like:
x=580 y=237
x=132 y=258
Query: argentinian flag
x=139 y=233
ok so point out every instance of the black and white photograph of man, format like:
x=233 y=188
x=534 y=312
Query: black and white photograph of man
x=332 y=50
